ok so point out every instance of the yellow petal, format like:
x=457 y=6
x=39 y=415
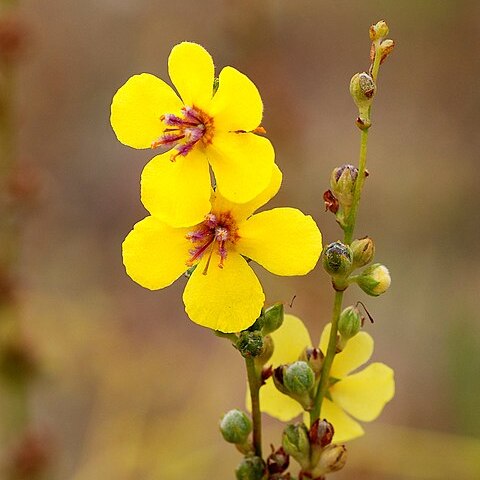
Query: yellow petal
x=192 y=71
x=242 y=163
x=277 y=404
x=137 y=107
x=346 y=428
x=364 y=394
x=283 y=240
x=155 y=254
x=289 y=341
x=241 y=211
x=228 y=299
x=237 y=104
x=177 y=192
x=358 y=351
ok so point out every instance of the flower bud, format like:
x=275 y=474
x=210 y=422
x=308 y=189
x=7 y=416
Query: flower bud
x=321 y=433
x=235 y=427
x=266 y=353
x=314 y=357
x=379 y=30
x=337 y=259
x=296 y=443
x=363 y=251
x=250 y=344
x=278 y=461
x=332 y=459
x=362 y=89
x=272 y=318
x=374 y=280
x=342 y=183
x=251 y=468
x=386 y=48
x=349 y=323
x=298 y=378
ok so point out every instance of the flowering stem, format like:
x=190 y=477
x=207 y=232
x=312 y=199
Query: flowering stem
x=347 y=240
x=254 y=383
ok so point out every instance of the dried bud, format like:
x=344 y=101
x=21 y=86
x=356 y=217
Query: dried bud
x=272 y=318
x=337 y=259
x=378 y=31
x=321 y=433
x=332 y=459
x=362 y=89
x=235 y=427
x=349 y=323
x=363 y=251
x=331 y=202
x=374 y=280
x=251 y=468
x=386 y=48
x=298 y=378
x=314 y=357
x=250 y=344
x=278 y=461
x=296 y=443
x=342 y=183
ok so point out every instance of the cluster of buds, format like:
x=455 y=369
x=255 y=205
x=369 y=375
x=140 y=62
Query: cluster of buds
x=340 y=260
x=378 y=32
x=313 y=449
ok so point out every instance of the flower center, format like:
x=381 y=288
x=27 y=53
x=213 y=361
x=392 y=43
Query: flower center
x=186 y=131
x=216 y=232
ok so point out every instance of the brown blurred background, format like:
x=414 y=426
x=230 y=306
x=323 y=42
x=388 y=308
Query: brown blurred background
x=131 y=389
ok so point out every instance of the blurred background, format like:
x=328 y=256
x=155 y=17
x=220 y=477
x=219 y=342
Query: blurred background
x=128 y=388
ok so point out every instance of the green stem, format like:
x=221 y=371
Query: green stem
x=347 y=239
x=254 y=383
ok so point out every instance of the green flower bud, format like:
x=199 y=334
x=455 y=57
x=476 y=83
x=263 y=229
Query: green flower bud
x=250 y=344
x=342 y=183
x=314 y=357
x=299 y=378
x=296 y=443
x=272 y=318
x=332 y=459
x=235 y=427
x=362 y=89
x=251 y=468
x=349 y=323
x=379 y=30
x=337 y=259
x=363 y=251
x=374 y=280
x=266 y=353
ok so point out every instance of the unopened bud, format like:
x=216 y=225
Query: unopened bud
x=250 y=344
x=363 y=251
x=362 y=89
x=386 y=48
x=349 y=323
x=299 y=378
x=235 y=427
x=266 y=353
x=296 y=443
x=342 y=183
x=251 y=468
x=332 y=459
x=337 y=259
x=278 y=461
x=321 y=433
x=378 y=31
x=374 y=280
x=314 y=357
x=272 y=318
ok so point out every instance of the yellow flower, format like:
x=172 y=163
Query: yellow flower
x=199 y=129
x=362 y=394
x=223 y=292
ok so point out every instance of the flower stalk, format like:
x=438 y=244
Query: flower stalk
x=255 y=382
